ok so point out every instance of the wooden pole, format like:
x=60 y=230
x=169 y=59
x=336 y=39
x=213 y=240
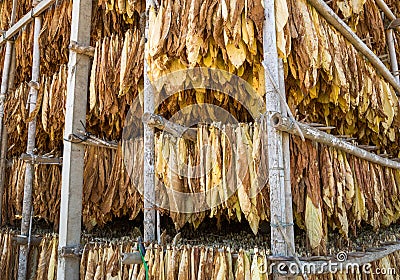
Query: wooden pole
x=29 y=168
x=149 y=220
x=284 y=124
x=348 y=33
x=27 y=18
x=276 y=166
x=6 y=68
x=4 y=80
x=289 y=230
x=7 y=81
x=392 y=53
x=73 y=154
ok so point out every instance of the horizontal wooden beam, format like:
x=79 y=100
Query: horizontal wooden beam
x=284 y=124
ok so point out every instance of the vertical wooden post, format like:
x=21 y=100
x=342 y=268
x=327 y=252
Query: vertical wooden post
x=276 y=163
x=29 y=168
x=72 y=172
x=148 y=162
x=7 y=81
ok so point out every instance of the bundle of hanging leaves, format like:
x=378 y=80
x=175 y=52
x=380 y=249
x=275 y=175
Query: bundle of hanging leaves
x=53 y=41
x=49 y=114
x=225 y=176
x=327 y=80
x=331 y=189
x=111 y=93
x=101 y=259
x=22 y=7
x=197 y=262
x=9 y=255
x=334 y=190
x=42 y=259
x=55 y=35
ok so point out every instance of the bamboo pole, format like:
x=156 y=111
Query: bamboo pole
x=284 y=124
x=27 y=18
x=73 y=154
x=348 y=33
x=149 y=219
x=29 y=169
x=276 y=165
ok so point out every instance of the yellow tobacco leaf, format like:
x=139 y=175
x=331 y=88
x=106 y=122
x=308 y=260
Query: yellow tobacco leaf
x=334 y=95
x=252 y=45
x=53 y=260
x=245 y=34
x=349 y=181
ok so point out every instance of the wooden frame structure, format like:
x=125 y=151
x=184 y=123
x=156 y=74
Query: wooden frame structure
x=73 y=156
x=282 y=241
